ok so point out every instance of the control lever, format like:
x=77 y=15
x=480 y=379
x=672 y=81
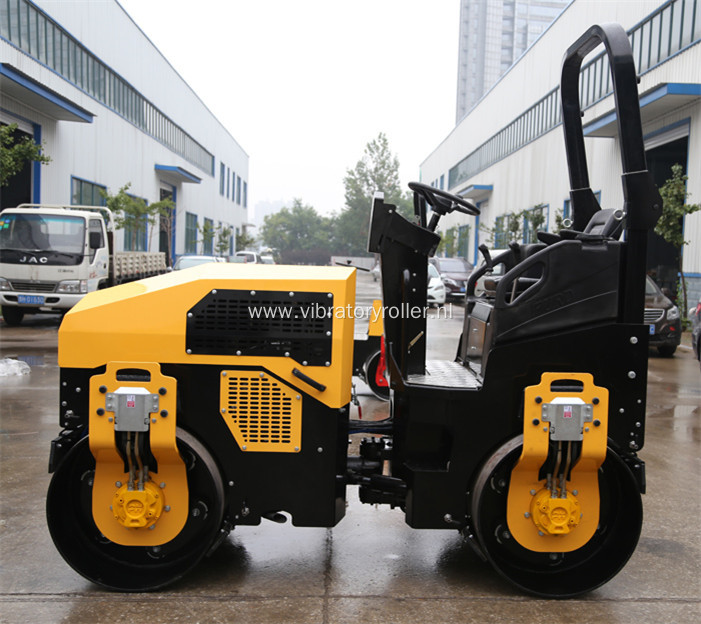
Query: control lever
x=516 y=248
x=484 y=250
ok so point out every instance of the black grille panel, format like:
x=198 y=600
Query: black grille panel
x=652 y=315
x=44 y=287
x=266 y=323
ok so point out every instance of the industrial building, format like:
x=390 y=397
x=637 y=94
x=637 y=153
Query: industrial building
x=83 y=80
x=507 y=153
x=493 y=34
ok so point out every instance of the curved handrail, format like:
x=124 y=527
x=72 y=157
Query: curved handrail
x=642 y=202
x=625 y=91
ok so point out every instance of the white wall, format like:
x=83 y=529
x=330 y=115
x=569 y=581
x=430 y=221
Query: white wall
x=537 y=172
x=111 y=151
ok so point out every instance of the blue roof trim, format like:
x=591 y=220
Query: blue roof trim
x=604 y=121
x=179 y=172
x=35 y=87
x=467 y=191
x=673 y=88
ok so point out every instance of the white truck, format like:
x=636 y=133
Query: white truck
x=51 y=256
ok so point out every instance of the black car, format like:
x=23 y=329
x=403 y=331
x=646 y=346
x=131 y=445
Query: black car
x=695 y=316
x=663 y=318
x=454 y=273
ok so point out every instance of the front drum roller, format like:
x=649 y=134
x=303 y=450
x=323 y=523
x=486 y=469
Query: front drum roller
x=133 y=568
x=557 y=574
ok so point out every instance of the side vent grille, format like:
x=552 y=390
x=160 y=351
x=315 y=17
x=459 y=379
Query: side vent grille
x=267 y=323
x=262 y=413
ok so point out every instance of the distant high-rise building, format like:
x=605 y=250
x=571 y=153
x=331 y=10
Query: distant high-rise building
x=493 y=34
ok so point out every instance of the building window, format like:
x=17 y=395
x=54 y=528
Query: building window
x=222 y=181
x=34 y=32
x=669 y=29
x=245 y=194
x=136 y=236
x=136 y=233
x=533 y=220
x=86 y=193
x=567 y=206
x=190 y=233
x=238 y=191
x=233 y=186
x=208 y=236
x=463 y=240
x=228 y=182
x=500 y=232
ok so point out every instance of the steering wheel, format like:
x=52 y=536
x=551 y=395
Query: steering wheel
x=443 y=202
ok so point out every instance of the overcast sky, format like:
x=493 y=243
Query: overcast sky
x=304 y=85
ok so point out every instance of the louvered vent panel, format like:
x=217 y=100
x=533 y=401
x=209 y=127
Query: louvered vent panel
x=262 y=413
x=268 y=323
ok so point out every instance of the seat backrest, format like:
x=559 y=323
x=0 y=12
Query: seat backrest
x=607 y=223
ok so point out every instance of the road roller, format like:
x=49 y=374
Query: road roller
x=201 y=400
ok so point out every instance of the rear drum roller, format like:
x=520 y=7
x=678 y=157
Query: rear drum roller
x=133 y=568
x=558 y=575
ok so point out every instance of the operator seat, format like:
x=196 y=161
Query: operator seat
x=606 y=223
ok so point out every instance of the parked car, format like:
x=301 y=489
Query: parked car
x=695 y=316
x=454 y=273
x=267 y=260
x=663 y=318
x=250 y=257
x=436 y=288
x=185 y=262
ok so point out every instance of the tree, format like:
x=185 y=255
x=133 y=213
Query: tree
x=507 y=227
x=165 y=211
x=15 y=154
x=134 y=215
x=448 y=243
x=561 y=223
x=244 y=240
x=671 y=223
x=514 y=226
x=377 y=170
x=517 y=226
x=130 y=214
x=223 y=240
x=533 y=220
x=208 y=233
x=299 y=234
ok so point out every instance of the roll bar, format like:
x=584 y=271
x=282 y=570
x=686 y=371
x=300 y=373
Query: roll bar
x=642 y=202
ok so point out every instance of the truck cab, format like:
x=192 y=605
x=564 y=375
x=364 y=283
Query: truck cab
x=50 y=257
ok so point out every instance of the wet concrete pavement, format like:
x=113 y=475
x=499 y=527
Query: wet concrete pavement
x=371 y=567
